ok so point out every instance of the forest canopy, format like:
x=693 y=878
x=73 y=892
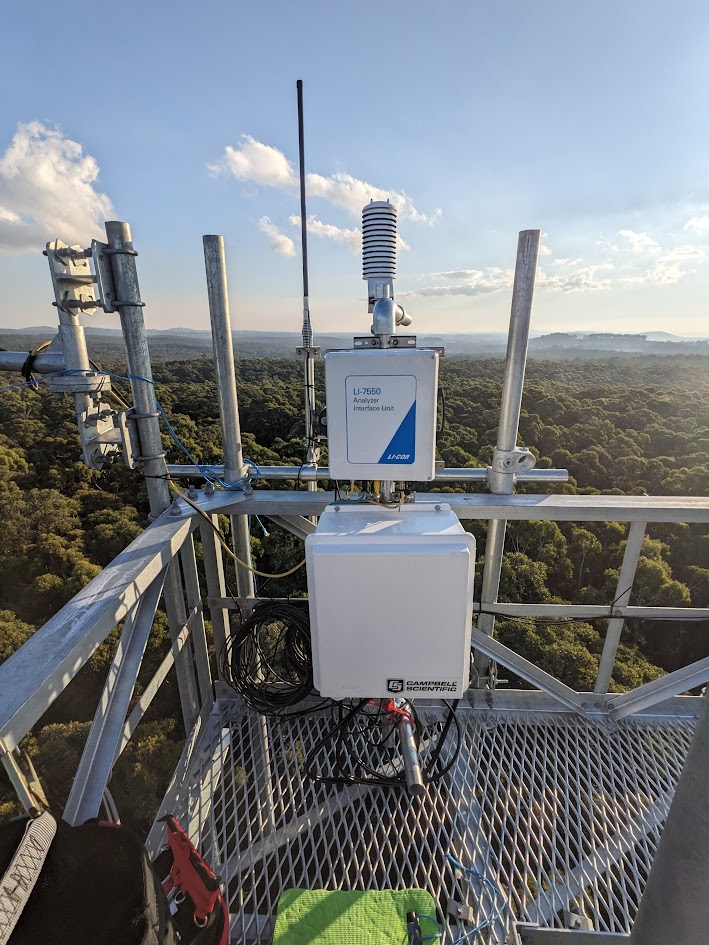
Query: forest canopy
x=637 y=427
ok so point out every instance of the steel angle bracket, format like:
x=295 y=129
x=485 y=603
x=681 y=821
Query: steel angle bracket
x=104 y=277
x=311 y=352
x=72 y=278
x=364 y=342
x=130 y=438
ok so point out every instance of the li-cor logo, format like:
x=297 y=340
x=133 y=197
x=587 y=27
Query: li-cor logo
x=399 y=456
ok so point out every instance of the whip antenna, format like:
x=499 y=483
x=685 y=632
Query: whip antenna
x=308 y=352
x=307 y=328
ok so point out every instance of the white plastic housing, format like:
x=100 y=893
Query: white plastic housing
x=391 y=597
x=381 y=414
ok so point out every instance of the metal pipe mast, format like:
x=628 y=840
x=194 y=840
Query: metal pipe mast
x=217 y=289
x=508 y=459
x=125 y=276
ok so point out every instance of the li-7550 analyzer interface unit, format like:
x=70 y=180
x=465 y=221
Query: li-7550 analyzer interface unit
x=381 y=408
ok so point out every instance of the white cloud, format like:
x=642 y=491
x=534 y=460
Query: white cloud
x=254 y=161
x=639 y=242
x=669 y=267
x=474 y=282
x=259 y=163
x=683 y=253
x=584 y=279
x=280 y=243
x=697 y=224
x=543 y=248
x=351 y=194
x=47 y=191
x=456 y=274
x=351 y=237
x=663 y=273
x=472 y=290
x=567 y=262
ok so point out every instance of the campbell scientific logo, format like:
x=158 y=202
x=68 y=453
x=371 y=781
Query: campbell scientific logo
x=395 y=685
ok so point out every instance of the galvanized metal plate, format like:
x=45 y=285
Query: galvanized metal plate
x=561 y=813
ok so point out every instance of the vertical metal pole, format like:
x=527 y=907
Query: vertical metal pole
x=76 y=358
x=492 y=569
x=501 y=476
x=125 y=276
x=675 y=904
x=633 y=548
x=217 y=290
x=216 y=587
x=199 y=637
x=502 y=483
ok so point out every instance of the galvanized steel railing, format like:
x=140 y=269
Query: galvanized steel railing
x=130 y=587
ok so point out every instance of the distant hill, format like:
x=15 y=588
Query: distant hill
x=594 y=344
x=186 y=343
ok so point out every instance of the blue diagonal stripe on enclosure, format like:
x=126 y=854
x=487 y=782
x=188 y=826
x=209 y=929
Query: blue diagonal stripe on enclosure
x=403 y=444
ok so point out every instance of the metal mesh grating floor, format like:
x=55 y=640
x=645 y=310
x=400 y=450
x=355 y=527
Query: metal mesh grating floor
x=562 y=813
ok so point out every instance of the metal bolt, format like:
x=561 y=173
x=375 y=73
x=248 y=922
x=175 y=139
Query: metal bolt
x=192 y=492
x=337 y=508
x=437 y=508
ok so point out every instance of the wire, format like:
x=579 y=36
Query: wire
x=431 y=918
x=176 y=489
x=26 y=369
x=350 y=737
x=269 y=659
x=204 y=470
x=28 y=384
x=362 y=497
x=442 y=395
x=113 y=391
x=499 y=899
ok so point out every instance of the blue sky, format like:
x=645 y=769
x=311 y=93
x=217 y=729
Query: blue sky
x=587 y=121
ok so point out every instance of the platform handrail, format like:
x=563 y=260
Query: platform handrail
x=33 y=677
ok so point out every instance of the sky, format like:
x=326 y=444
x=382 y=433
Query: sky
x=476 y=118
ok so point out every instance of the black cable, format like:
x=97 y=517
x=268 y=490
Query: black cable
x=268 y=658
x=362 y=771
x=26 y=370
x=442 y=395
x=268 y=661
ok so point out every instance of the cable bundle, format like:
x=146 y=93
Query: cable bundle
x=268 y=660
x=359 y=755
